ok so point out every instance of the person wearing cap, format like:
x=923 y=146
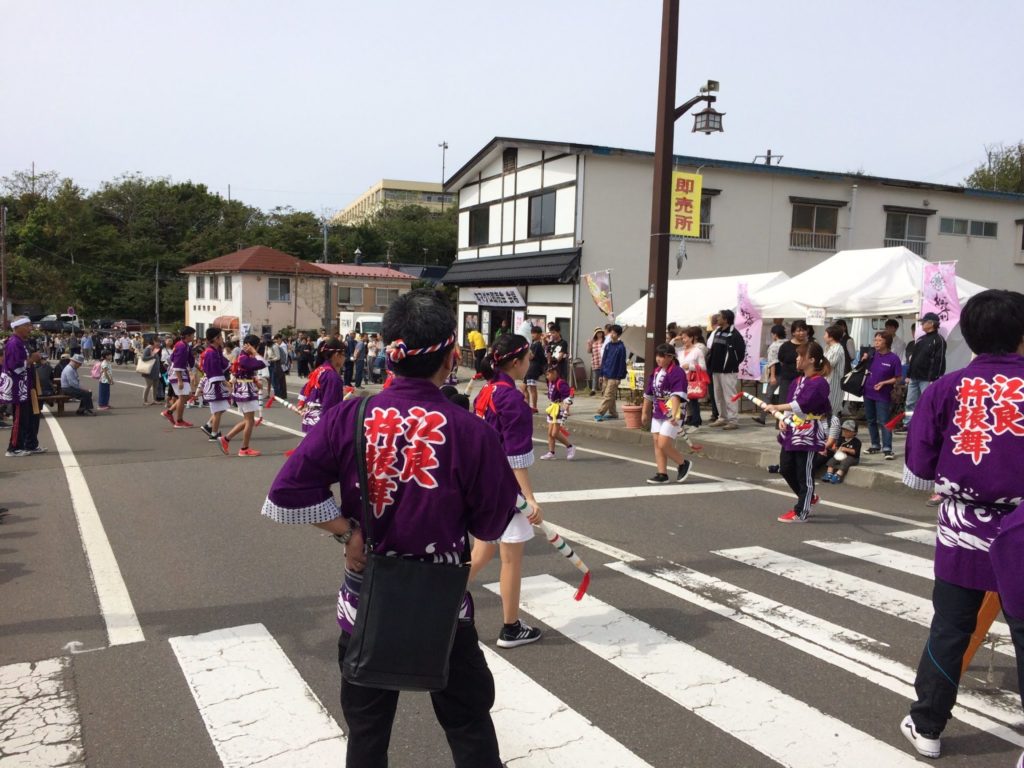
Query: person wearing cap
x=437 y=475
x=926 y=361
x=846 y=455
x=966 y=441
x=71 y=386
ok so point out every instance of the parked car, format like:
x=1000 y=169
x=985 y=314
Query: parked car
x=103 y=324
x=129 y=326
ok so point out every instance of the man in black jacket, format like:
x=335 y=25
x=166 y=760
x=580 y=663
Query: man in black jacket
x=726 y=350
x=926 y=361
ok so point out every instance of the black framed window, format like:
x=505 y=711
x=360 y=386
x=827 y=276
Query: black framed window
x=479 y=226
x=542 y=215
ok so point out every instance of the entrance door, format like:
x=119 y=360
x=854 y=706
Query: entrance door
x=501 y=322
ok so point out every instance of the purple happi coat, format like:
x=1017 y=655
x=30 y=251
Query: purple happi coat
x=213 y=364
x=244 y=388
x=966 y=441
x=512 y=418
x=14 y=375
x=665 y=383
x=183 y=359
x=328 y=391
x=436 y=471
x=808 y=399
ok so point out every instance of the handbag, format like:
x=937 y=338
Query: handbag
x=408 y=609
x=697 y=384
x=855 y=381
x=145 y=367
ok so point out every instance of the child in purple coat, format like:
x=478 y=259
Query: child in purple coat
x=664 y=397
x=560 y=395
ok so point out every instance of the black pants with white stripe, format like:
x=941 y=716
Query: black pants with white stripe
x=797 y=467
x=463 y=709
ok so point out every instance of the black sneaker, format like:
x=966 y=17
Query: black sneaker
x=889 y=456
x=684 y=470
x=658 y=479
x=208 y=430
x=517 y=634
x=875 y=449
x=214 y=436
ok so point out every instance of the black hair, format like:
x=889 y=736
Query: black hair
x=892 y=323
x=616 y=329
x=799 y=325
x=502 y=353
x=835 y=331
x=212 y=333
x=188 y=330
x=536 y=329
x=553 y=326
x=665 y=349
x=328 y=348
x=455 y=397
x=252 y=340
x=779 y=331
x=728 y=315
x=992 y=322
x=420 y=318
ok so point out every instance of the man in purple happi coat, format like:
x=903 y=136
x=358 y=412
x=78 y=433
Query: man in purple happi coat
x=437 y=474
x=966 y=441
x=16 y=379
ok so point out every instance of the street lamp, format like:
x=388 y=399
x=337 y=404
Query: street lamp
x=706 y=121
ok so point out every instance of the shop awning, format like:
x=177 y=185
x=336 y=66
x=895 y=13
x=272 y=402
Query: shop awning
x=560 y=266
x=225 y=323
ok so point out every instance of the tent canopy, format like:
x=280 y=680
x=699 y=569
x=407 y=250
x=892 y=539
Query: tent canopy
x=692 y=302
x=870 y=282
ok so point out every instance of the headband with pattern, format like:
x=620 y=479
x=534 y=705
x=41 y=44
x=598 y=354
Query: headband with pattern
x=397 y=349
x=514 y=353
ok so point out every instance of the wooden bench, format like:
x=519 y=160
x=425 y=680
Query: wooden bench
x=52 y=400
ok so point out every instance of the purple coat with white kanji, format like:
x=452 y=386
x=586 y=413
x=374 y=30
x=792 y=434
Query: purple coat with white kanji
x=436 y=471
x=665 y=383
x=808 y=399
x=14 y=375
x=966 y=441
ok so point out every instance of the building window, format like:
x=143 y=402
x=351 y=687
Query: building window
x=279 y=289
x=349 y=295
x=385 y=296
x=200 y=286
x=227 y=287
x=814 y=227
x=705 y=217
x=906 y=229
x=479 y=226
x=968 y=227
x=509 y=158
x=214 y=287
x=542 y=215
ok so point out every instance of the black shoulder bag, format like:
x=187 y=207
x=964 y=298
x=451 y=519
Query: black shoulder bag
x=855 y=381
x=408 y=609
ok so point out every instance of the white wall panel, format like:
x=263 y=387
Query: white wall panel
x=507 y=230
x=490 y=251
x=494 y=231
x=560 y=171
x=522 y=218
x=528 y=180
x=549 y=294
x=469 y=195
x=527 y=156
x=490 y=190
x=463 y=229
x=565 y=211
x=557 y=243
x=493 y=168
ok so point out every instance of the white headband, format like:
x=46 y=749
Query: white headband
x=20 y=321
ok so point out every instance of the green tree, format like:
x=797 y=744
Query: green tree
x=1004 y=170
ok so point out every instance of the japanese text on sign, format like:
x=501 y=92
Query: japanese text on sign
x=499 y=297
x=685 y=215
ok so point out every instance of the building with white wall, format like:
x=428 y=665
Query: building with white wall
x=388 y=194
x=534 y=215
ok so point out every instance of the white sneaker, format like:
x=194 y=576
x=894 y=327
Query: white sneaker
x=924 y=745
x=548 y=455
x=570 y=454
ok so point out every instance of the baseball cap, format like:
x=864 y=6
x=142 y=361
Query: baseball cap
x=929 y=316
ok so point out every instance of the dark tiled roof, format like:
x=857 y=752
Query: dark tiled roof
x=259 y=258
x=560 y=266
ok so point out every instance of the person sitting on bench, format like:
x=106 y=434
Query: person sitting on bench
x=71 y=386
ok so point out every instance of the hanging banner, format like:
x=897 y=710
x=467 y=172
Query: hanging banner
x=686 y=190
x=600 y=286
x=748 y=324
x=938 y=295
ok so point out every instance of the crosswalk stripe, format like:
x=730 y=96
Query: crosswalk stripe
x=887 y=558
x=39 y=723
x=634 y=491
x=918 y=535
x=535 y=728
x=836 y=645
x=255 y=705
x=867 y=593
x=768 y=720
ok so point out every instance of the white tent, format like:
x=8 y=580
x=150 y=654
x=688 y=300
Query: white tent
x=692 y=302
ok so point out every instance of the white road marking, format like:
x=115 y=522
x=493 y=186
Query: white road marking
x=867 y=593
x=841 y=647
x=256 y=707
x=922 y=567
x=535 y=728
x=594 y=544
x=777 y=725
x=636 y=491
x=39 y=722
x=111 y=592
x=918 y=535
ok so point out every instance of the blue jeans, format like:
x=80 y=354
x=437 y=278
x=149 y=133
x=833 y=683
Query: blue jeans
x=877 y=413
x=915 y=388
x=104 y=394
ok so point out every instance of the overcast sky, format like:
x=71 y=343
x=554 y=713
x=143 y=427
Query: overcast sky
x=309 y=102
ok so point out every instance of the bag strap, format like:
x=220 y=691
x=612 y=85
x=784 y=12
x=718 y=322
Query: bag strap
x=364 y=487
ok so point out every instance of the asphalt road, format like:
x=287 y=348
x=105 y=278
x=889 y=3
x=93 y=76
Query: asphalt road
x=702 y=642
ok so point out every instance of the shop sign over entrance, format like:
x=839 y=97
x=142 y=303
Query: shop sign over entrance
x=499 y=297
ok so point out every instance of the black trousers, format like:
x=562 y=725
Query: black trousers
x=938 y=674
x=83 y=396
x=463 y=709
x=797 y=467
x=24 y=429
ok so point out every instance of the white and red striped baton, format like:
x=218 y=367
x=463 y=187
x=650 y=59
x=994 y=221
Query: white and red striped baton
x=789 y=419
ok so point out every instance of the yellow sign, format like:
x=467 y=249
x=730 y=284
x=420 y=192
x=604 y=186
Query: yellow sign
x=685 y=216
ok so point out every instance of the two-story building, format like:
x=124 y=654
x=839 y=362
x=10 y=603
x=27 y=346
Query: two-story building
x=535 y=215
x=365 y=287
x=389 y=194
x=258 y=288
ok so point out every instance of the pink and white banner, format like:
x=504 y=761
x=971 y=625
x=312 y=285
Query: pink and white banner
x=938 y=295
x=748 y=323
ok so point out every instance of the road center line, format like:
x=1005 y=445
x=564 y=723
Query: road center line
x=115 y=602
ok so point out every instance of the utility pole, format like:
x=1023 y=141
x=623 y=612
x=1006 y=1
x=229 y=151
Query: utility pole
x=157 y=280
x=3 y=264
x=325 y=239
x=444 y=148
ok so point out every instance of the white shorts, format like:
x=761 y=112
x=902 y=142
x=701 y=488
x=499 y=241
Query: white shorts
x=519 y=530
x=217 y=406
x=185 y=388
x=665 y=428
x=249 y=406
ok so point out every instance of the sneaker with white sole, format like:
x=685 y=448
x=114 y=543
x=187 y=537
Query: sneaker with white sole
x=548 y=455
x=514 y=635
x=15 y=453
x=684 y=470
x=928 y=747
x=659 y=479
x=570 y=453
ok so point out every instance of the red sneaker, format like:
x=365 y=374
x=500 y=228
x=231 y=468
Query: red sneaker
x=815 y=499
x=788 y=517
x=249 y=452
x=224 y=445
x=169 y=416
x=183 y=425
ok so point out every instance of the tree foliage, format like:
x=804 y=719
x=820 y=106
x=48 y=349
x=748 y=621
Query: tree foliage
x=1004 y=170
x=100 y=251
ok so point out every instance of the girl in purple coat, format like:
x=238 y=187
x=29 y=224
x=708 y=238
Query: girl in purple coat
x=808 y=402
x=560 y=395
x=664 y=399
x=246 y=393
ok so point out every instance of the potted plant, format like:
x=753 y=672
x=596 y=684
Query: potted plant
x=632 y=408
